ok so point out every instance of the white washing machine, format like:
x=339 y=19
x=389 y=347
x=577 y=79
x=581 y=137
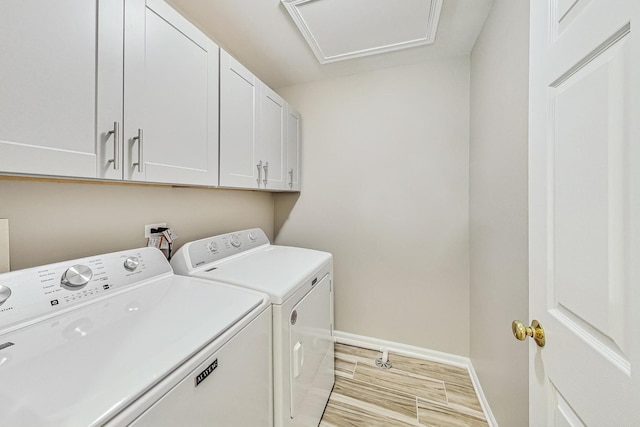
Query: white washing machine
x=299 y=282
x=118 y=339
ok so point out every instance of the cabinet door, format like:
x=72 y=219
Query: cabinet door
x=272 y=138
x=171 y=97
x=60 y=87
x=293 y=150
x=239 y=121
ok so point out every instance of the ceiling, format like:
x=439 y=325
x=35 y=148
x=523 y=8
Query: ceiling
x=264 y=38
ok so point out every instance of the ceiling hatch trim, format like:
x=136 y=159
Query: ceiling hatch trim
x=337 y=30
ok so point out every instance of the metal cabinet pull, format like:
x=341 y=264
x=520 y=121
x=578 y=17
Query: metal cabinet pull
x=266 y=173
x=140 y=139
x=291 y=178
x=259 y=166
x=116 y=145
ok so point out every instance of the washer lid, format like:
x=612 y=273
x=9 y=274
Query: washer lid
x=276 y=270
x=83 y=367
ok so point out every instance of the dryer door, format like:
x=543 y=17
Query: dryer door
x=311 y=347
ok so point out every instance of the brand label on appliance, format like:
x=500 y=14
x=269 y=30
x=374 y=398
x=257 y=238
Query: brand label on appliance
x=5 y=345
x=204 y=374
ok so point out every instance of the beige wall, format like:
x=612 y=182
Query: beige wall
x=53 y=221
x=498 y=208
x=385 y=189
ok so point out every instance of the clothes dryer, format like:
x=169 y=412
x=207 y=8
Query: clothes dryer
x=299 y=282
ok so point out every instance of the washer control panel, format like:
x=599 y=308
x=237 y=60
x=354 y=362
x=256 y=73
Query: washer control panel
x=211 y=249
x=39 y=291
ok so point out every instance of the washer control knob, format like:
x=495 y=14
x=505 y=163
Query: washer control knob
x=252 y=237
x=213 y=247
x=131 y=263
x=234 y=240
x=5 y=293
x=76 y=276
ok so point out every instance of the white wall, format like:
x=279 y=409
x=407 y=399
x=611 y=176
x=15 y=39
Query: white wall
x=52 y=220
x=498 y=209
x=385 y=189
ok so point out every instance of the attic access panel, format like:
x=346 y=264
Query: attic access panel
x=343 y=29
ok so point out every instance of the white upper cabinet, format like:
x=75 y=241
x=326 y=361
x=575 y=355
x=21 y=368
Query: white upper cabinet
x=78 y=98
x=272 y=138
x=60 y=89
x=292 y=151
x=253 y=131
x=131 y=90
x=170 y=98
x=239 y=124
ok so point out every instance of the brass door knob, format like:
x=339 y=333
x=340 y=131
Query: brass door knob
x=536 y=331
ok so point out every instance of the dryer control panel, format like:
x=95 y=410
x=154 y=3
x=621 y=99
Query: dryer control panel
x=41 y=291
x=206 y=251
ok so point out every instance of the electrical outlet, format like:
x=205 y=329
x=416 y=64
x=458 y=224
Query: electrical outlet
x=148 y=227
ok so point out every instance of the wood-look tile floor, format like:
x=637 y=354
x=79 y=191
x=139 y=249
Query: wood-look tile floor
x=413 y=392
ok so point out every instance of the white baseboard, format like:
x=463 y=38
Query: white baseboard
x=420 y=353
x=491 y=420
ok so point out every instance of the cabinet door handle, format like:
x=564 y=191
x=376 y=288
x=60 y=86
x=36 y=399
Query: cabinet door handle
x=116 y=145
x=259 y=166
x=266 y=173
x=291 y=178
x=140 y=139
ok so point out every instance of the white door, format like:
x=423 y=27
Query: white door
x=272 y=138
x=171 y=97
x=239 y=124
x=585 y=212
x=60 y=87
x=293 y=150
